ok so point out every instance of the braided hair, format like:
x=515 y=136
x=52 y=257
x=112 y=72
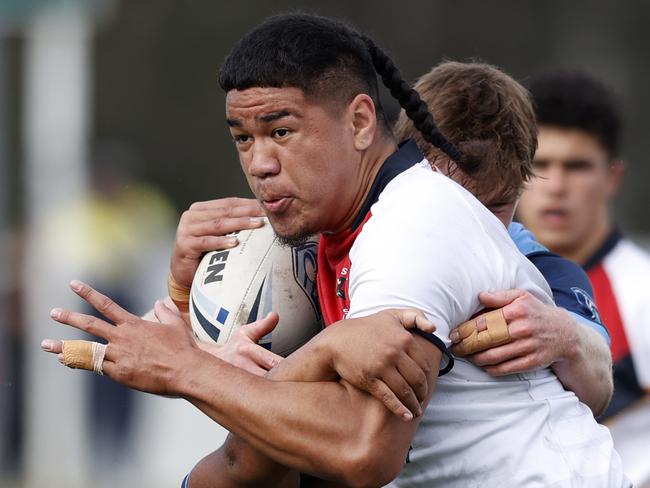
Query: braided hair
x=327 y=58
x=410 y=101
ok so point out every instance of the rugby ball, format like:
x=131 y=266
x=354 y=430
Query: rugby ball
x=237 y=286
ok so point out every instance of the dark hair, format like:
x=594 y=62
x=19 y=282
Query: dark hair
x=576 y=100
x=489 y=117
x=324 y=58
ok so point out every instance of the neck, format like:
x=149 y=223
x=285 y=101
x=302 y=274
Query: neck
x=588 y=247
x=371 y=162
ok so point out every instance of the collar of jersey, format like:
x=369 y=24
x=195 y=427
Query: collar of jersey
x=603 y=250
x=407 y=155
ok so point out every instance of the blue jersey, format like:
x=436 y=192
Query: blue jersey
x=570 y=285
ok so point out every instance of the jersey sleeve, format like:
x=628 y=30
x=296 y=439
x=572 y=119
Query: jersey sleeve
x=571 y=289
x=420 y=249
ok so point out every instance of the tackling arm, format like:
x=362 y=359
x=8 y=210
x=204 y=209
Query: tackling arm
x=587 y=368
x=329 y=429
x=361 y=343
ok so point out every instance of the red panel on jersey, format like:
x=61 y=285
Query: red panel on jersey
x=608 y=308
x=333 y=276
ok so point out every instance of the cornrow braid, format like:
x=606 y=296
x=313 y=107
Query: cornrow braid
x=413 y=106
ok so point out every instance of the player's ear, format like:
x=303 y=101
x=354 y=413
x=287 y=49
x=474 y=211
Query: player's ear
x=616 y=174
x=364 y=121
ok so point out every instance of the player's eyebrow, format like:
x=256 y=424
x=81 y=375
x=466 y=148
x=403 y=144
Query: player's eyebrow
x=275 y=116
x=270 y=117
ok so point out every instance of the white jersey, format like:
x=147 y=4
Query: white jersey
x=620 y=273
x=429 y=244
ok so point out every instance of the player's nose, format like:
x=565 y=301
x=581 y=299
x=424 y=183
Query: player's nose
x=264 y=161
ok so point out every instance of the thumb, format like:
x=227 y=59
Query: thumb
x=166 y=315
x=411 y=318
x=498 y=299
x=258 y=329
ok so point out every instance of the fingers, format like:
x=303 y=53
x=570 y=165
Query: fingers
x=169 y=303
x=501 y=354
x=231 y=207
x=195 y=246
x=416 y=381
x=412 y=318
x=522 y=364
x=498 y=299
x=221 y=227
x=384 y=392
x=51 y=345
x=489 y=329
x=166 y=315
x=258 y=329
x=101 y=303
x=84 y=322
x=417 y=354
x=463 y=331
x=263 y=357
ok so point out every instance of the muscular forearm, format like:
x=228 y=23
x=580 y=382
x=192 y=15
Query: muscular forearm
x=328 y=429
x=587 y=369
x=237 y=462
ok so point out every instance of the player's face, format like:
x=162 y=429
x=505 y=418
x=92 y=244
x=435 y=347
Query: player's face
x=297 y=156
x=568 y=199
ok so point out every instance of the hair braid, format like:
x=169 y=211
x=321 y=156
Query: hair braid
x=413 y=106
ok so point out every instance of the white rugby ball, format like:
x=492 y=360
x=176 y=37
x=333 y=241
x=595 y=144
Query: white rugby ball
x=237 y=286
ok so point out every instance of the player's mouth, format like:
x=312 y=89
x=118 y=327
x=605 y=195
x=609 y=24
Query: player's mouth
x=276 y=205
x=555 y=217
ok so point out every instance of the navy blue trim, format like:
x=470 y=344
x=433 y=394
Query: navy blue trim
x=186 y=480
x=604 y=250
x=436 y=341
x=255 y=309
x=207 y=326
x=406 y=156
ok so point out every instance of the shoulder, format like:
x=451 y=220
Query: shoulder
x=426 y=199
x=524 y=239
x=628 y=267
x=630 y=256
x=559 y=271
x=417 y=182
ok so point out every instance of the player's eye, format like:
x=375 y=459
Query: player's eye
x=241 y=138
x=280 y=133
x=578 y=165
x=540 y=164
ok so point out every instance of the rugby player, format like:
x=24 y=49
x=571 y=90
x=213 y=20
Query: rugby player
x=568 y=208
x=405 y=236
x=458 y=95
x=450 y=89
x=481 y=109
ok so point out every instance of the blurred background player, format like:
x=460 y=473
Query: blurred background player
x=568 y=208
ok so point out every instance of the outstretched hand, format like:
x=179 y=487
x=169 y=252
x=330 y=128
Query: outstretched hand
x=140 y=354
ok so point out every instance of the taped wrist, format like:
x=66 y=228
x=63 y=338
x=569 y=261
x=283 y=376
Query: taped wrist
x=179 y=294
